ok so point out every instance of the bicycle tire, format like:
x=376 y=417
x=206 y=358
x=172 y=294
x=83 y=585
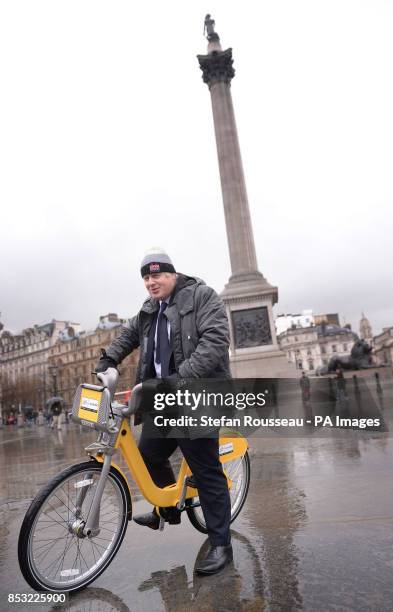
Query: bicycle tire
x=27 y=543
x=195 y=514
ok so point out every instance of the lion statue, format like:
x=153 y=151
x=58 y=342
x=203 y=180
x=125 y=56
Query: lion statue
x=359 y=358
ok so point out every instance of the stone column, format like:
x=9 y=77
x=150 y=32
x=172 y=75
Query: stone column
x=218 y=72
x=248 y=296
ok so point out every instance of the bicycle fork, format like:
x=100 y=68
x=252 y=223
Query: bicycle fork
x=91 y=527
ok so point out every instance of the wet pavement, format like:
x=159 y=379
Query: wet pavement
x=316 y=532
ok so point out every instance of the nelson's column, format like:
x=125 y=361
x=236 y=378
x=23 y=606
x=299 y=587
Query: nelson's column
x=248 y=296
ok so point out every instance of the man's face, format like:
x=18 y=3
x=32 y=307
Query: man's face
x=160 y=285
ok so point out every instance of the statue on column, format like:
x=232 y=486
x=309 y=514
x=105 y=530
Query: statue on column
x=208 y=29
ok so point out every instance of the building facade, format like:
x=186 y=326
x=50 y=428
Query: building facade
x=383 y=347
x=310 y=348
x=287 y=321
x=306 y=318
x=73 y=358
x=329 y=318
x=24 y=373
x=53 y=359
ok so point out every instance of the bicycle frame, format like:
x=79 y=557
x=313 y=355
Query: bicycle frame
x=171 y=495
x=121 y=438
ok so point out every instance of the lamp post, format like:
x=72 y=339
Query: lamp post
x=44 y=388
x=20 y=420
x=53 y=372
x=1 y=405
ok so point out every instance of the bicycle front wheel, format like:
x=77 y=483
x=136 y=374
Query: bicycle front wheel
x=238 y=472
x=53 y=553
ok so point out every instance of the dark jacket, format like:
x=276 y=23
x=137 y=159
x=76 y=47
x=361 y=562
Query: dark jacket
x=199 y=333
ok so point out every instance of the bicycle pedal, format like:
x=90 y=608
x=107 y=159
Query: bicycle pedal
x=162 y=524
x=190 y=481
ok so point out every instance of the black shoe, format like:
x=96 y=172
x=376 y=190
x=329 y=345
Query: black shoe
x=151 y=519
x=217 y=558
x=171 y=515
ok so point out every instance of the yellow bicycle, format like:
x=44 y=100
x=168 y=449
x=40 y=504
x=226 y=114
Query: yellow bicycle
x=76 y=523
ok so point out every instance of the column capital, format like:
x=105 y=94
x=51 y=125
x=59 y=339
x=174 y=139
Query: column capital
x=217 y=67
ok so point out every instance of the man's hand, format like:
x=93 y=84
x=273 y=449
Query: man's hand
x=105 y=362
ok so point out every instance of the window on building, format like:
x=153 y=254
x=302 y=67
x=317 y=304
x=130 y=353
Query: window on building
x=323 y=350
x=309 y=352
x=345 y=346
x=300 y=364
x=310 y=364
x=334 y=348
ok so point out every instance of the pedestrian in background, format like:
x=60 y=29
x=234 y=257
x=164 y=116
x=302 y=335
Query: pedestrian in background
x=56 y=415
x=341 y=390
x=305 y=386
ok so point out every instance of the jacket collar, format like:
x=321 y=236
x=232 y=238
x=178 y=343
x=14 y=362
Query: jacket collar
x=150 y=306
x=183 y=296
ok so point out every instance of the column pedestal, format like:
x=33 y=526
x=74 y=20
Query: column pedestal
x=254 y=350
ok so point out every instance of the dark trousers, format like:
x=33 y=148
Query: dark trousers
x=202 y=457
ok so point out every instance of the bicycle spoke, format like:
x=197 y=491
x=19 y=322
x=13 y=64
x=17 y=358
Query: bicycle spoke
x=57 y=558
x=105 y=528
x=62 y=557
x=54 y=510
x=47 y=543
x=81 y=554
x=64 y=504
x=104 y=539
x=98 y=545
x=92 y=549
x=51 y=522
x=76 y=558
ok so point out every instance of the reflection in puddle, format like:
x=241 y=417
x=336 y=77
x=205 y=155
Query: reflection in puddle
x=239 y=586
x=94 y=600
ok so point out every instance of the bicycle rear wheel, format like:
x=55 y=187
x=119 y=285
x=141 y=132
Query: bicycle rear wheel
x=52 y=551
x=238 y=471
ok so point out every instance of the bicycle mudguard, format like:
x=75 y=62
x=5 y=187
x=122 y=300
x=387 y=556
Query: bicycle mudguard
x=232 y=446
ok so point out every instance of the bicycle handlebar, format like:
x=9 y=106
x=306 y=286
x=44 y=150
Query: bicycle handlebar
x=109 y=379
x=134 y=401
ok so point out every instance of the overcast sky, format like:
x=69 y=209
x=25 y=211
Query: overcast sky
x=107 y=149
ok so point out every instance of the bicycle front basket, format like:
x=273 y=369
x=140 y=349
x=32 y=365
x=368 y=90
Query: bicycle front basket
x=91 y=407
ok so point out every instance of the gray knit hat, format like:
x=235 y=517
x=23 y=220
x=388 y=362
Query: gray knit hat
x=155 y=261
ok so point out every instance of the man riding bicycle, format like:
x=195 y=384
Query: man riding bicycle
x=182 y=331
